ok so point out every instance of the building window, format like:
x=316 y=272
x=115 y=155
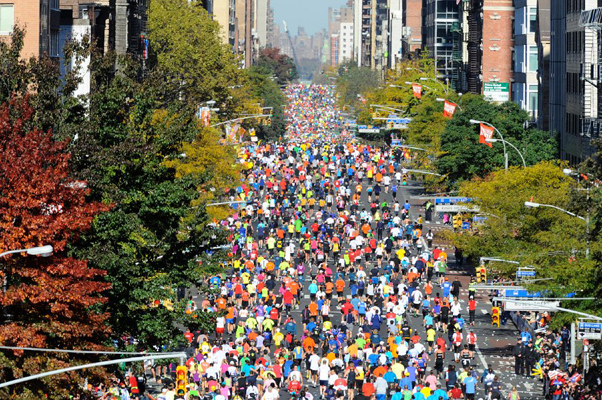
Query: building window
x=54 y=4
x=7 y=19
x=533 y=59
x=532 y=19
x=532 y=105
x=54 y=42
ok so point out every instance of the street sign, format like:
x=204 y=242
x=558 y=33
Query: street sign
x=369 y=130
x=529 y=273
x=531 y=305
x=521 y=293
x=589 y=330
x=455 y=208
x=496 y=91
x=451 y=200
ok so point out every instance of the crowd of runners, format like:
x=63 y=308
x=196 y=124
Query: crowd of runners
x=334 y=291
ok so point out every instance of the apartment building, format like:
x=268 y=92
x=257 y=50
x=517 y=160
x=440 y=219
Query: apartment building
x=525 y=89
x=41 y=21
x=412 y=26
x=574 y=79
x=224 y=12
x=441 y=33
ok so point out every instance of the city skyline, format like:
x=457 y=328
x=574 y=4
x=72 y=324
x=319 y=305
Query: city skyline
x=310 y=14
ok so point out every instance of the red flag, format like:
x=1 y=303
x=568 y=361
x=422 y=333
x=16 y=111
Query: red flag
x=486 y=133
x=417 y=88
x=449 y=109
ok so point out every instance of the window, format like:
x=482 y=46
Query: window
x=532 y=105
x=7 y=19
x=54 y=4
x=533 y=59
x=532 y=19
x=519 y=58
x=54 y=43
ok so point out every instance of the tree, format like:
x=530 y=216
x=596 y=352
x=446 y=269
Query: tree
x=353 y=81
x=548 y=239
x=462 y=156
x=279 y=65
x=194 y=62
x=262 y=87
x=150 y=240
x=54 y=302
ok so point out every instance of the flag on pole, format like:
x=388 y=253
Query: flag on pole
x=486 y=133
x=417 y=88
x=449 y=109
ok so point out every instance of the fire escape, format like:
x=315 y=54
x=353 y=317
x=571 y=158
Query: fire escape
x=137 y=26
x=457 y=64
x=474 y=45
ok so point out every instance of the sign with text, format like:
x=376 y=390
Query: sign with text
x=496 y=91
x=589 y=330
x=531 y=305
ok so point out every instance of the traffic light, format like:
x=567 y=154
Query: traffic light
x=457 y=221
x=181 y=380
x=481 y=274
x=405 y=179
x=495 y=316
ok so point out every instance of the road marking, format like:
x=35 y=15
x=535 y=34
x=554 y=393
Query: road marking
x=484 y=311
x=481 y=358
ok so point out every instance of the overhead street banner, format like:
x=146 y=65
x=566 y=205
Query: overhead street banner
x=531 y=305
x=455 y=208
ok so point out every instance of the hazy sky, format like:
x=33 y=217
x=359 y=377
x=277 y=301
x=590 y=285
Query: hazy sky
x=311 y=14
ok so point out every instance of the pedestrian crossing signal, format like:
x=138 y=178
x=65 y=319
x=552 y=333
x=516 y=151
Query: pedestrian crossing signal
x=181 y=380
x=495 y=316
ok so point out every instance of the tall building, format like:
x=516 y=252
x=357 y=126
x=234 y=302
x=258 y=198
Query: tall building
x=224 y=12
x=346 y=42
x=262 y=17
x=246 y=34
x=395 y=33
x=371 y=26
x=440 y=33
x=412 y=26
x=41 y=21
x=574 y=96
x=525 y=89
x=340 y=29
x=489 y=47
x=542 y=40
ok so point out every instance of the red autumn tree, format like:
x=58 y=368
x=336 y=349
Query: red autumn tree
x=52 y=302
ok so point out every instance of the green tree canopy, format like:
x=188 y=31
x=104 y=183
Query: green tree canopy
x=550 y=240
x=278 y=64
x=462 y=156
x=194 y=61
x=353 y=81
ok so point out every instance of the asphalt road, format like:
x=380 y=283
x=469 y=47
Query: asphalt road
x=494 y=344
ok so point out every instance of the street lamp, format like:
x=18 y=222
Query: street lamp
x=445 y=88
x=476 y=121
x=511 y=145
x=531 y=204
x=44 y=251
